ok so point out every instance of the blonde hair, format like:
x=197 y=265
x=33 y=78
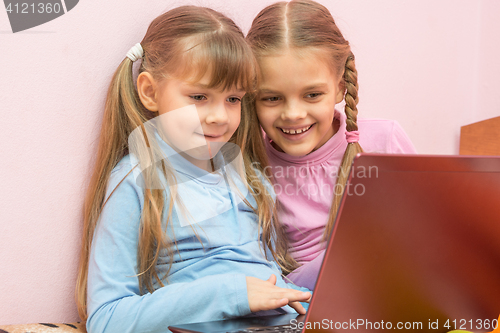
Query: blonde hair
x=307 y=25
x=209 y=42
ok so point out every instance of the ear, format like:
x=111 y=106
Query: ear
x=146 y=88
x=341 y=91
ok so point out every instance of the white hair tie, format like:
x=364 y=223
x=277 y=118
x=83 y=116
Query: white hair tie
x=135 y=52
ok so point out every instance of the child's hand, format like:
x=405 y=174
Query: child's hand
x=265 y=295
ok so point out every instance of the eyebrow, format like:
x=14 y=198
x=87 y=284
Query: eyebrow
x=205 y=86
x=310 y=87
x=200 y=85
x=316 y=86
x=197 y=85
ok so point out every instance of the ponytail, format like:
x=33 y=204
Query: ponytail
x=123 y=113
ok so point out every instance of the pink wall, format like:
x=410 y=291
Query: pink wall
x=432 y=65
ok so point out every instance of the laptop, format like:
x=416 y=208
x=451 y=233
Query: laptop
x=415 y=248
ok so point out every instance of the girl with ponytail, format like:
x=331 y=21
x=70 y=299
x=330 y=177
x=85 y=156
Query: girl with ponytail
x=178 y=225
x=306 y=67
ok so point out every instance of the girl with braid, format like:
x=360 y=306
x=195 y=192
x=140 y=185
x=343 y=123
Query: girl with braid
x=306 y=68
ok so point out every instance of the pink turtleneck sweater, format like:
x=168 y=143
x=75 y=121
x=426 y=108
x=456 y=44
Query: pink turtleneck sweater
x=304 y=185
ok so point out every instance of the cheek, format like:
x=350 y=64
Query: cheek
x=235 y=119
x=265 y=117
x=166 y=103
x=325 y=114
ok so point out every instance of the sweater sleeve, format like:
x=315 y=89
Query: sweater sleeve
x=114 y=301
x=400 y=142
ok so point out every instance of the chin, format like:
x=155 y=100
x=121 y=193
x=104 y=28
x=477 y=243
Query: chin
x=297 y=152
x=199 y=153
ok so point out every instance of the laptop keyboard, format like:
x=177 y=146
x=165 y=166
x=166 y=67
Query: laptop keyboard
x=270 y=329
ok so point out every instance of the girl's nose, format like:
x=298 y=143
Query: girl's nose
x=293 y=112
x=217 y=114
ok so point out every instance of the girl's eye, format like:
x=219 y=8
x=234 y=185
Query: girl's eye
x=314 y=95
x=271 y=99
x=233 y=100
x=198 y=97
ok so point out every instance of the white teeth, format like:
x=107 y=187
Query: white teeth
x=297 y=131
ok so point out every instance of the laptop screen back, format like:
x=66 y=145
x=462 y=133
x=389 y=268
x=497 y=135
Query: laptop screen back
x=416 y=246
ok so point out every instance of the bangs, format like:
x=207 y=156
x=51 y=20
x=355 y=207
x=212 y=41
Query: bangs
x=225 y=57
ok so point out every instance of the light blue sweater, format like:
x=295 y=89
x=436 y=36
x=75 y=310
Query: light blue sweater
x=206 y=282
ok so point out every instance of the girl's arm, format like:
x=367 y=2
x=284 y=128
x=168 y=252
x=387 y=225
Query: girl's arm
x=115 y=303
x=288 y=282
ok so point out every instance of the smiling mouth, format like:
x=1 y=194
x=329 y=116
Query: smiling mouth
x=210 y=136
x=295 y=131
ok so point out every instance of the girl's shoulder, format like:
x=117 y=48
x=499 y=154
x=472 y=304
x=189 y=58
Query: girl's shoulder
x=123 y=180
x=378 y=125
x=379 y=129
x=384 y=136
x=122 y=165
x=123 y=169
x=123 y=202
